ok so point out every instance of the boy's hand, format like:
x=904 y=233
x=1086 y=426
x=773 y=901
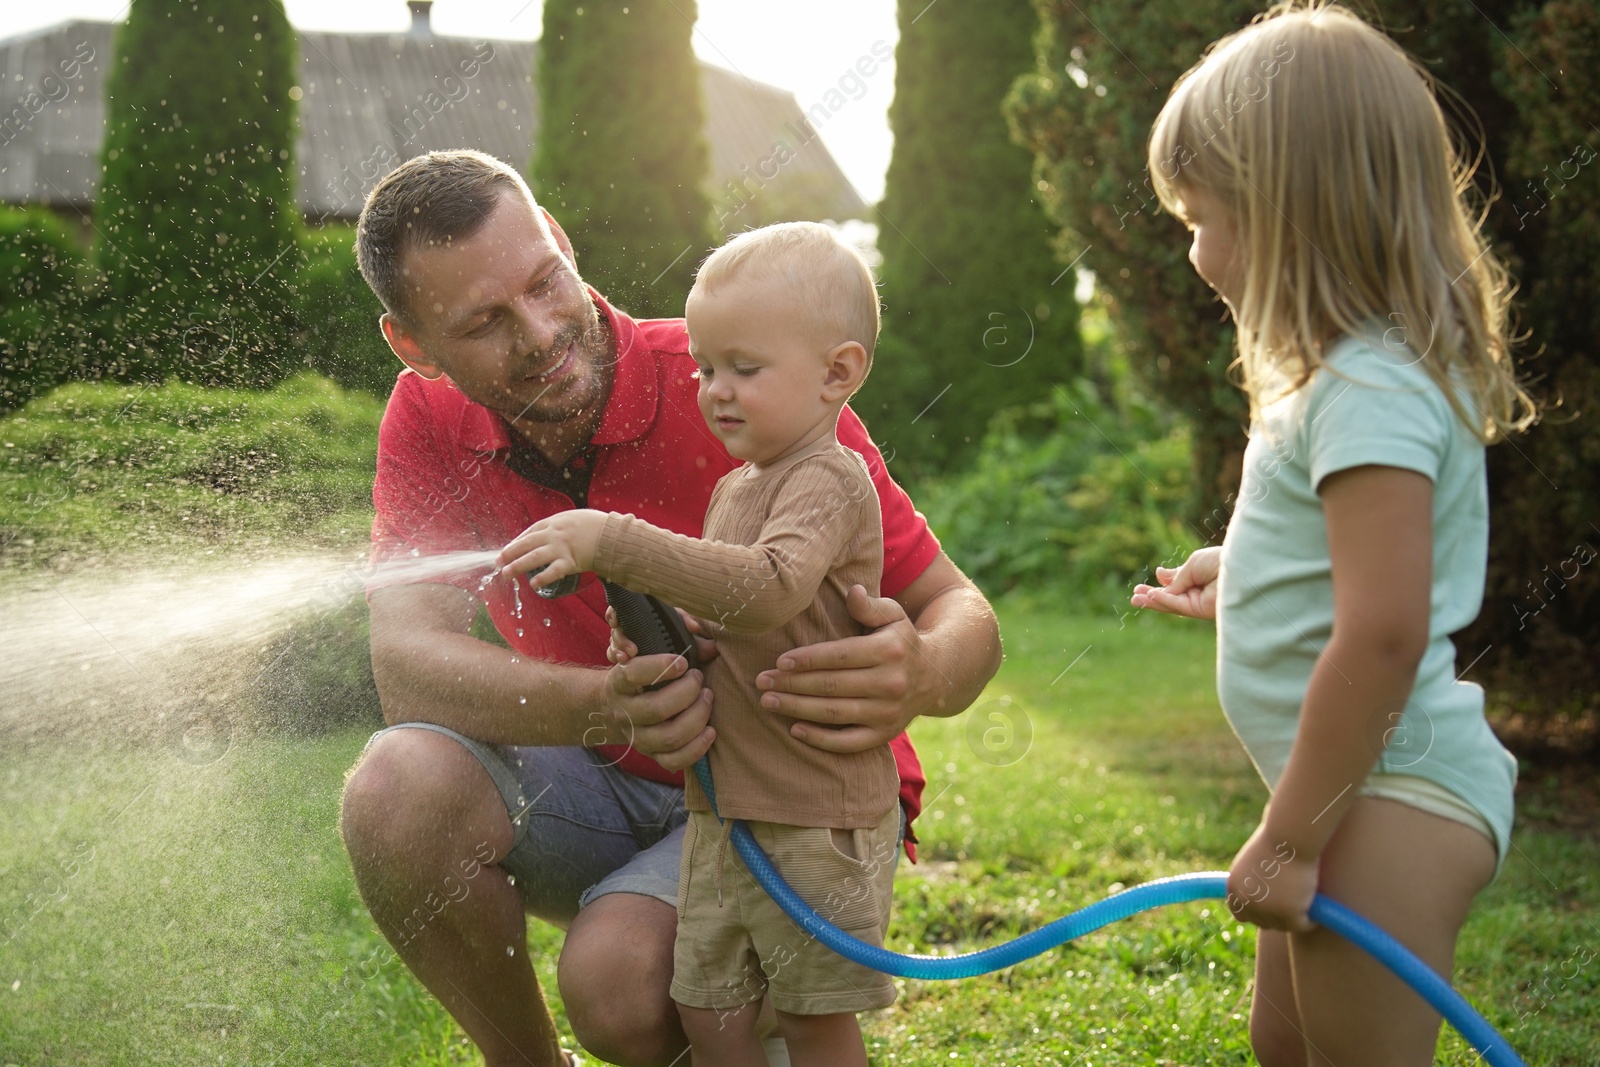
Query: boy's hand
x=563 y=544
x=1191 y=590
x=1269 y=884
x=622 y=650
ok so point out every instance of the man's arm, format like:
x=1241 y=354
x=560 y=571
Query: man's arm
x=428 y=668
x=932 y=650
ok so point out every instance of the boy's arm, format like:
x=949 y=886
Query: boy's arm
x=751 y=588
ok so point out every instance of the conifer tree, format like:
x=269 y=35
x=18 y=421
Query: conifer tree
x=195 y=216
x=979 y=315
x=621 y=160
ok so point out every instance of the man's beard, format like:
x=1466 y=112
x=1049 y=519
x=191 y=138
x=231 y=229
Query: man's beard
x=593 y=340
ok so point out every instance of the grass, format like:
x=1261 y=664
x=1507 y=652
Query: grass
x=162 y=906
x=88 y=470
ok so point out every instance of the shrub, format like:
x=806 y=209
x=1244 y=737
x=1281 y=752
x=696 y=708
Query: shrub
x=338 y=314
x=93 y=467
x=1069 y=496
x=196 y=208
x=40 y=264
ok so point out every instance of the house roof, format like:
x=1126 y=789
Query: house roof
x=371 y=101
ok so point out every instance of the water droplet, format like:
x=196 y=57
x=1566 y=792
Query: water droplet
x=522 y=700
x=519 y=631
x=510 y=951
x=547 y=622
x=511 y=879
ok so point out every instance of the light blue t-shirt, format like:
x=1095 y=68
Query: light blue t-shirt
x=1371 y=403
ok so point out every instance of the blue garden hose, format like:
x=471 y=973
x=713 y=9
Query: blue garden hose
x=1207 y=885
x=654 y=627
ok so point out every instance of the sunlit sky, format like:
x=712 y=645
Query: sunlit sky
x=804 y=46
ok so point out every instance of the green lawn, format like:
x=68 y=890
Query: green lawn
x=157 y=909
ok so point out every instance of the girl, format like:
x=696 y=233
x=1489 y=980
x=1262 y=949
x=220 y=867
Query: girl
x=1313 y=164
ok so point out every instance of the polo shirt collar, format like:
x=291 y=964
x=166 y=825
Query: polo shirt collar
x=630 y=409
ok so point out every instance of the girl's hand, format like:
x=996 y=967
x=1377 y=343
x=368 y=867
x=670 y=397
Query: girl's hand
x=1270 y=885
x=563 y=544
x=1191 y=590
x=621 y=650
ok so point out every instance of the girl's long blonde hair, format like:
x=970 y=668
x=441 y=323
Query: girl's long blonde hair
x=1324 y=140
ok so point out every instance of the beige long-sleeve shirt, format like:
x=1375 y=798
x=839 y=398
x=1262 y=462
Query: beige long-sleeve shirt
x=783 y=545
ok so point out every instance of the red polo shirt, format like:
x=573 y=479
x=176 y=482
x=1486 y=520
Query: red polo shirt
x=443 y=485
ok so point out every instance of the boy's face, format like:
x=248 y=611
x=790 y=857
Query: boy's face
x=764 y=369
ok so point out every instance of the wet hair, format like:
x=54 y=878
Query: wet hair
x=1326 y=144
x=431 y=199
x=826 y=274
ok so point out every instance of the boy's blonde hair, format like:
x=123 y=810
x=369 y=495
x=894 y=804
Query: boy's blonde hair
x=826 y=274
x=1322 y=137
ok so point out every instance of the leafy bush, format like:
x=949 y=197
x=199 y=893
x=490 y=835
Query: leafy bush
x=338 y=315
x=1070 y=496
x=318 y=676
x=39 y=292
x=96 y=466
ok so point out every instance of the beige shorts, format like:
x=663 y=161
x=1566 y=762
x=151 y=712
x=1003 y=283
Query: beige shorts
x=735 y=945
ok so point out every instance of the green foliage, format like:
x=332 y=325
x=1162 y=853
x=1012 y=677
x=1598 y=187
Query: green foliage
x=40 y=268
x=972 y=321
x=196 y=212
x=1086 y=112
x=622 y=157
x=1069 y=496
x=338 y=314
x=317 y=676
x=1543 y=492
x=93 y=467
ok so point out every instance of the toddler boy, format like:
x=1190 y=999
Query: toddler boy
x=782 y=324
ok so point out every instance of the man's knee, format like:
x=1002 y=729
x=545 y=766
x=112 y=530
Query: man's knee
x=615 y=977
x=411 y=784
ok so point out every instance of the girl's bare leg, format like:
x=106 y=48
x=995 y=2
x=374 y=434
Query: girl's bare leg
x=1414 y=874
x=1276 y=1035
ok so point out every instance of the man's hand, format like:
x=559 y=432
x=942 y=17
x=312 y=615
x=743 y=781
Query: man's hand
x=563 y=544
x=857 y=692
x=670 y=724
x=1269 y=884
x=1191 y=590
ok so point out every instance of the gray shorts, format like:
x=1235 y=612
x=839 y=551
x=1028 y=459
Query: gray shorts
x=581 y=827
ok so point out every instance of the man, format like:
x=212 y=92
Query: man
x=533 y=778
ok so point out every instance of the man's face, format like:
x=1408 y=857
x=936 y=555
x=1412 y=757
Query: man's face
x=505 y=315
